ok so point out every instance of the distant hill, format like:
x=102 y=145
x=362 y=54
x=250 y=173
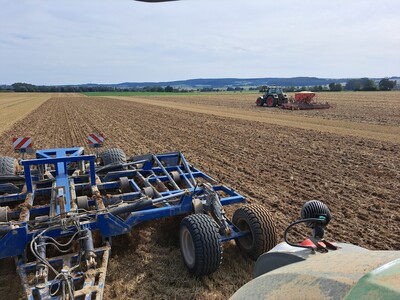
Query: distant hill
x=233 y=82
x=200 y=83
x=236 y=82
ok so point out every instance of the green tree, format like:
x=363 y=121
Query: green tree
x=24 y=87
x=289 y=89
x=168 y=89
x=367 y=84
x=336 y=87
x=386 y=85
x=353 y=85
x=362 y=84
x=263 y=89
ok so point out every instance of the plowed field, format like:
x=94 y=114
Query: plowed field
x=15 y=106
x=347 y=156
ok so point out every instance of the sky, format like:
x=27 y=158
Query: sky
x=112 y=41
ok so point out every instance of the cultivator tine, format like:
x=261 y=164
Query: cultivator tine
x=72 y=193
x=90 y=255
x=4 y=210
x=25 y=207
x=98 y=198
x=61 y=201
x=67 y=284
x=41 y=269
x=53 y=205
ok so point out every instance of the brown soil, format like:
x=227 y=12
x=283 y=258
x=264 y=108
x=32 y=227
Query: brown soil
x=361 y=107
x=280 y=166
x=15 y=106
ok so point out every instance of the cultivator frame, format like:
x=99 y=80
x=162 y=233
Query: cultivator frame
x=64 y=200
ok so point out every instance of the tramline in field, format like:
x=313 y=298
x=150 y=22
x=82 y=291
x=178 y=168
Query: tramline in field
x=60 y=210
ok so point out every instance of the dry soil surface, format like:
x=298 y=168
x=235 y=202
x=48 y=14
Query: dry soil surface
x=15 y=106
x=261 y=153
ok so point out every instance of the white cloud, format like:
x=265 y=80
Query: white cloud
x=105 y=41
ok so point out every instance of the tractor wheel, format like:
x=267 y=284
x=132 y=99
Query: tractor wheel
x=271 y=101
x=112 y=156
x=259 y=101
x=8 y=165
x=263 y=235
x=200 y=246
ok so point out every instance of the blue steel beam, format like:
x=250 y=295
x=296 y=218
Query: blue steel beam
x=60 y=163
x=175 y=200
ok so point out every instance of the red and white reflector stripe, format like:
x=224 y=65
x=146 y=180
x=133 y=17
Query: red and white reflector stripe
x=95 y=139
x=22 y=143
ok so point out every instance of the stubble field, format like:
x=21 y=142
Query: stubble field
x=346 y=156
x=14 y=107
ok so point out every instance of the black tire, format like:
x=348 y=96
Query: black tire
x=256 y=219
x=271 y=102
x=259 y=101
x=200 y=245
x=8 y=165
x=112 y=156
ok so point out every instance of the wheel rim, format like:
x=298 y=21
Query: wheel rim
x=270 y=101
x=187 y=247
x=247 y=241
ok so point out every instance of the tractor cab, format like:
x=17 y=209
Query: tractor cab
x=275 y=90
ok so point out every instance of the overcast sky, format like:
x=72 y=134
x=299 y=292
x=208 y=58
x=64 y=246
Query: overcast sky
x=113 y=41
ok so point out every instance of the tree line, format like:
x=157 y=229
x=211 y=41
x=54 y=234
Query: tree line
x=26 y=87
x=366 y=84
x=361 y=84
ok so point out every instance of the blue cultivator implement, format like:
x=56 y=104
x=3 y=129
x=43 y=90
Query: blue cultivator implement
x=59 y=211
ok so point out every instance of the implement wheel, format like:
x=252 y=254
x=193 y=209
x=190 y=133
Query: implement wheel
x=263 y=235
x=200 y=246
x=112 y=156
x=8 y=165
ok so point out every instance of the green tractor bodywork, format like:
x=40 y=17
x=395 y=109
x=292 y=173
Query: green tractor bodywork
x=349 y=273
x=274 y=97
x=381 y=283
x=318 y=269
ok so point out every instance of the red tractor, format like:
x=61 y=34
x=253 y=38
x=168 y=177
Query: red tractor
x=274 y=97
